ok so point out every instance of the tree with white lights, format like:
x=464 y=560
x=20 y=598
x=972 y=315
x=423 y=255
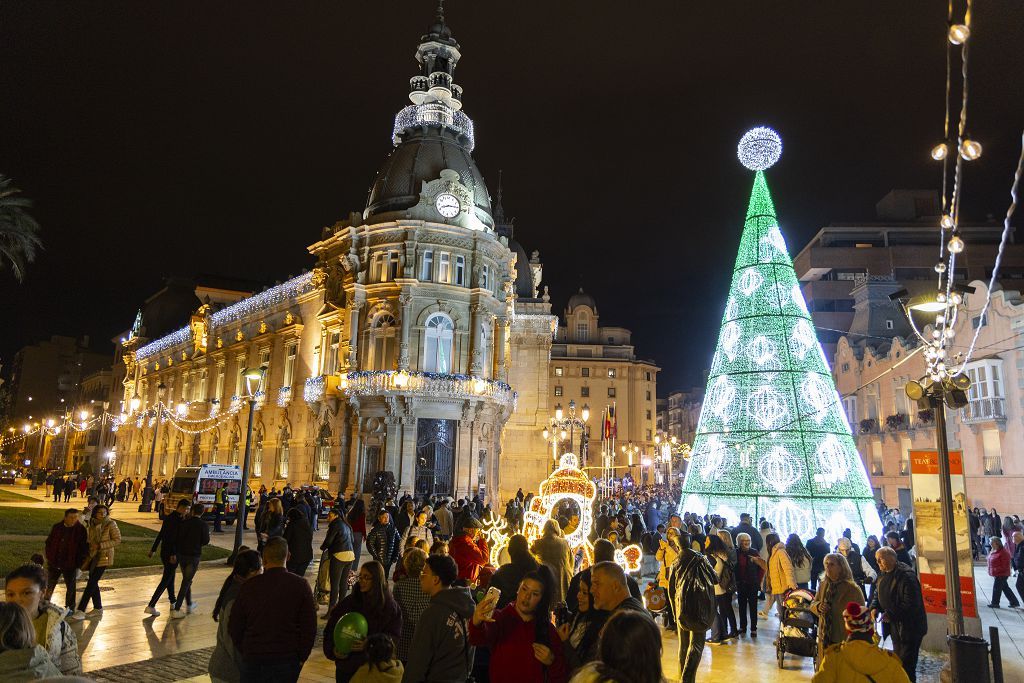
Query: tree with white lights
x=772 y=439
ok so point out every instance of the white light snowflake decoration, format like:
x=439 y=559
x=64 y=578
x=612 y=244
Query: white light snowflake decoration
x=790 y=518
x=722 y=399
x=802 y=338
x=713 y=462
x=759 y=148
x=831 y=458
x=730 y=339
x=731 y=308
x=750 y=280
x=766 y=406
x=817 y=394
x=761 y=351
x=779 y=469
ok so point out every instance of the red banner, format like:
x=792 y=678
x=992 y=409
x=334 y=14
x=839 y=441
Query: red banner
x=934 y=588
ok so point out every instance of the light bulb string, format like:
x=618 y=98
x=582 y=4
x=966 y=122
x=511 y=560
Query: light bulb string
x=999 y=254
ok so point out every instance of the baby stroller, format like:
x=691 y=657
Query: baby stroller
x=798 y=631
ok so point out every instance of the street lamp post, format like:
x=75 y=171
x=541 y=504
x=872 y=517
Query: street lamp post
x=147 y=493
x=34 y=483
x=253 y=384
x=565 y=426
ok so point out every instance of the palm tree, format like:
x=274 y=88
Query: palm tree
x=19 y=232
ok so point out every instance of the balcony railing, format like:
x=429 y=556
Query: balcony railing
x=897 y=422
x=993 y=464
x=983 y=409
x=427 y=384
x=869 y=426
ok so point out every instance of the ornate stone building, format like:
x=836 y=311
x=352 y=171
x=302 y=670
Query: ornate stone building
x=407 y=348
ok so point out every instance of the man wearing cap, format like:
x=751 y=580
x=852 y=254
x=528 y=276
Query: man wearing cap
x=469 y=548
x=858 y=658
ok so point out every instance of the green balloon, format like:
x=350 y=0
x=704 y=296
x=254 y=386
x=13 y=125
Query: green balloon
x=351 y=627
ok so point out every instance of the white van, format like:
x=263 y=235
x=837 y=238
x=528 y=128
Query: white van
x=200 y=484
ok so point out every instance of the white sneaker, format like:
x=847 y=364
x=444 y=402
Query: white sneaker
x=152 y=610
x=178 y=614
x=94 y=614
x=77 y=615
x=192 y=606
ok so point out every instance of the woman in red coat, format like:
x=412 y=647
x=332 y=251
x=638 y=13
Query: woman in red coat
x=374 y=601
x=524 y=644
x=999 y=569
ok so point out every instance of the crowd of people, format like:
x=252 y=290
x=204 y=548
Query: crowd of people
x=419 y=573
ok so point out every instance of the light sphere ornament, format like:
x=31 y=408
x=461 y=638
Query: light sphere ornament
x=759 y=148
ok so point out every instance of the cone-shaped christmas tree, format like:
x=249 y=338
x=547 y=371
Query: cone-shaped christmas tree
x=772 y=439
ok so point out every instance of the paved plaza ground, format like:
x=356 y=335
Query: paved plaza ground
x=128 y=644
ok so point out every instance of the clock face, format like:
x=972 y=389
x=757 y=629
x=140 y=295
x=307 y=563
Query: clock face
x=447 y=205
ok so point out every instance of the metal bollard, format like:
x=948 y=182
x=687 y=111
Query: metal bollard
x=997 y=657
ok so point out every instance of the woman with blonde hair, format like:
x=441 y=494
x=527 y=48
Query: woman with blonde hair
x=837 y=589
x=20 y=658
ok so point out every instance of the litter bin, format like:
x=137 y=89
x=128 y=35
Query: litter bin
x=968 y=659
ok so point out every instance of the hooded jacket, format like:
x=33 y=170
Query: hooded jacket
x=28 y=664
x=469 y=555
x=440 y=650
x=855 y=660
x=61 y=642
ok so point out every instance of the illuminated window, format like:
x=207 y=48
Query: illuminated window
x=289 y=363
x=558 y=390
x=611 y=373
x=583 y=332
x=437 y=351
x=444 y=268
x=382 y=343
x=558 y=372
x=331 y=361
x=427 y=269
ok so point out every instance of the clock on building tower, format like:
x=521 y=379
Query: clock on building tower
x=447 y=205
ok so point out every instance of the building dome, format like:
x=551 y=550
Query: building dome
x=582 y=299
x=524 y=275
x=425 y=151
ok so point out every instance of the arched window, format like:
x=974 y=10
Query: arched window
x=437 y=349
x=382 y=343
x=283 y=455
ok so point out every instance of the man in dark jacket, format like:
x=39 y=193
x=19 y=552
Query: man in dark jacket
x=691 y=642
x=66 y=548
x=610 y=590
x=817 y=548
x=604 y=551
x=745 y=527
x=299 y=535
x=338 y=545
x=899 y=600
x=440 y=650
x=193 y=534
x=167 y=540
x=1018 y=562
x=273 y=620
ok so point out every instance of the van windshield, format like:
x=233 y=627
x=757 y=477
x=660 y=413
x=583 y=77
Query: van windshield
x=183 y=485
x=211 y=485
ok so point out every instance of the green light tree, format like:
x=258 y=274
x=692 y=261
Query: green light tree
x=772 y=438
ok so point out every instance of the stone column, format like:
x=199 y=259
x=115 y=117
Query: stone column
x=354 y=456
x=475 y=341
x=501 y=348
x=344 y=447
x=393 y=444
x=406 y=473
x=405 y=299
x=353 y=335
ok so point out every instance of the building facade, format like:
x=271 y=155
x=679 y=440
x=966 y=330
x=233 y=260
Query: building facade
x=597 y=366
x=871 y=373
x=417 y=345
x=682 y=414
x=901 y=245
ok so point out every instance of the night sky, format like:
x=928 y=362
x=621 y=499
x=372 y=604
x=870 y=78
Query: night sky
x=219 y=137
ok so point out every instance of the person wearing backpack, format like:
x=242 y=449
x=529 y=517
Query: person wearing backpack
x=692 y=588
x=725 y=588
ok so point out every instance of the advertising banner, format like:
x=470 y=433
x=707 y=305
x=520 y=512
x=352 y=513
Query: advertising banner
x=924 y=478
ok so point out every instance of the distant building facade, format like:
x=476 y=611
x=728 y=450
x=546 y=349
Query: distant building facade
x=597 y=366
x=901 y=244
x=683 y=413
x=871 y=373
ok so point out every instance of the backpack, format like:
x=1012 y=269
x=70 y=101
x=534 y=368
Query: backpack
x=728 y=579
x=693 y=590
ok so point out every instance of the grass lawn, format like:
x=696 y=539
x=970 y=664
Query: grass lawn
x=12 y=497
x=128 y=554
x=37 y=522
